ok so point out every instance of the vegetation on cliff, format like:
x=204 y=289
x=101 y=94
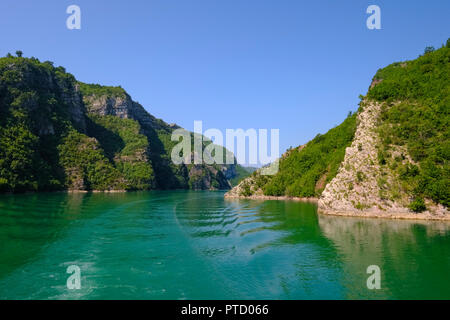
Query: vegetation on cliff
x=102 y=101
x=88 y=89
x=406 y=125
x=126 y=147
x=85 y=165
x=34 y=115
x=304 y=171
x=51 y=138
x=415 y=114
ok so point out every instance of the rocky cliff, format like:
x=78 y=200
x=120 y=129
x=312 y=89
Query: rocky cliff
x=364 y=186
x=398 y=162
x=390 y=159
x=114 y=101
x=58 y=134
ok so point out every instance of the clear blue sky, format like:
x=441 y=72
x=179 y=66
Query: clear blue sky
x=294 y=65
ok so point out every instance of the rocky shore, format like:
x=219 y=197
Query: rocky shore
x=263 y=197
x=405 y=215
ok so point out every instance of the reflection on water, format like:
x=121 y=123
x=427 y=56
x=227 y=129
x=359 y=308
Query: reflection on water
x=29 y=222
x=197 y=245
x=264 y=249
x=414 y=256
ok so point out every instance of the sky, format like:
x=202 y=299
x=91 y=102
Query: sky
x=297 y=66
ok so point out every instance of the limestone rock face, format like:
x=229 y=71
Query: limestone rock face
x=240 y=191
x=124 y=107
x=362 y=184
x=76 y=107
x=64 y=90
x=201 y=177
x=74 y=143
x=206 y=177
x=355 y=185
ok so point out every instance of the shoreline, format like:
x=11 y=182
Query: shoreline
x=282 y=198
x=102 y=191
x=374 y=214
x=378 y=214
x=95 y=191
x=385 y=215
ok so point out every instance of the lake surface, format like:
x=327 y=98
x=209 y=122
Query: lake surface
x=198 y=245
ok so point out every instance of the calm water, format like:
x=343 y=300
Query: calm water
x=197 y=245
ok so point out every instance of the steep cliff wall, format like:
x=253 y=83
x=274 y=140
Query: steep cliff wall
x=303 y=171
x=364 y=185
x=114 y=101
x=60 y=134
x=393 y=162
x=398 y=163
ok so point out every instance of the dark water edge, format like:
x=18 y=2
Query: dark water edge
x=198 y=245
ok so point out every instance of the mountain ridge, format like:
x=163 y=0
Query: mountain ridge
x=57 y=133
x=397 y=162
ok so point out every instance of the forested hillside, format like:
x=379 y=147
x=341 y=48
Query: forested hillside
x=305 y=170
x=60 y=134
x=392 y=155
x=415 y=114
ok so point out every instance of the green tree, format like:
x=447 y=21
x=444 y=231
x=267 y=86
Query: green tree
x=417 y=205
x=429 y=49
x=19 y=53
x=419 y=120
x=304 y=172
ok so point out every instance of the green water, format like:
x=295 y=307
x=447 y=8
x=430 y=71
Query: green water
x=197 y=245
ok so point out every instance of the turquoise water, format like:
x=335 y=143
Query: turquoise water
x=198 y=245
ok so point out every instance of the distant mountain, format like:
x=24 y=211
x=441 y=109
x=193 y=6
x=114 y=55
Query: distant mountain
x=60 y=134
x=242 y=173
x=391 y=156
